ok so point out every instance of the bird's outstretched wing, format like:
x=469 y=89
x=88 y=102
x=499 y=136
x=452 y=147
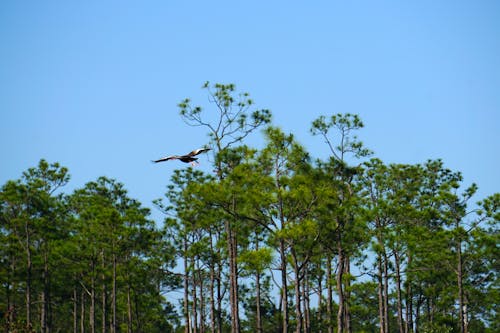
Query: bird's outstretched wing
x=198 y=151
x=184 y=158
x=167 y=158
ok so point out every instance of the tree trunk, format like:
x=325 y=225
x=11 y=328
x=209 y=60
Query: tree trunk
x=82 y=312
x=340 y=289
x=129 y=310
x=382 y=279
x=284 y=287
x=46 y=308
x=298 y=302
x=29 y=265
x=319 y=316
x=347 y=293
x=212 y=284
x=219 y=298
x=233 y=276
x=397 y=263
x=43 y=315
x=409 y=301
x=461 y=303
x=187 y=322
x=409 y=309
x=92 y=300
x=195 y=302
x=114 y=326
x=202 y=299
x=381 y=302
x=212 y=299
x=307 y=309
x=257 y=295
x=386 y=292
x=329 y=296
x=104 y=293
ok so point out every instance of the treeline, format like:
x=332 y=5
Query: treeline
x=90 y=261
x=269 y=241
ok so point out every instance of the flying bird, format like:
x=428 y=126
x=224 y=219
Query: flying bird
x=188 y=158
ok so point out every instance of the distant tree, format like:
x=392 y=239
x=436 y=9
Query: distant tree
x=338 y=133
x=482 y=267
x=227 y=125
x=120 y=259
x=189 y=227
x=32 y=215
x=364 y=314
x=284 y=212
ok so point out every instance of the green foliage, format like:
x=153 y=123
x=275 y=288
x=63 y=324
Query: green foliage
x=343 y=125
x=315 y=246
x=66 y=252
x=256 y=260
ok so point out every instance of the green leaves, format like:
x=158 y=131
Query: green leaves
x=256 y=260
x=71 y=250
x=345 y=142
x=378 y=243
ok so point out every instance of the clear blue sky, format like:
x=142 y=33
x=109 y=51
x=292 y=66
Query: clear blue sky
x=94 y=85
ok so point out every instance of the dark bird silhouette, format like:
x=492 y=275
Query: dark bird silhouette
x=188 y=158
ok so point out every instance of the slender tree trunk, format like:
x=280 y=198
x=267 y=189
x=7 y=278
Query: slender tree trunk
x=104 y=293
x=195 y=302
x=305 y=297
x=284 y=287
x=340 y=289
x=235 y=281
x=213 y=323
x=381 y=302
x=187 y=322
x=397 y=263
x=82 y=312
x=329 y=296
x=298 y=302
x=92 y=300
x=45 y=314
x=382 y=279
x=129 y=310
x=29 y=265
x=386 y=292
x=103 y=300
x=257 y=294
x=409 y=301
x=409 y=309
x=347 y=293
x=232 y=292
x=219 y=298
x=461 y=303
x=202 y=300
x=319 y=316
x=212 y=284
x=233 y=275
x=114 y=326
x=283 y=258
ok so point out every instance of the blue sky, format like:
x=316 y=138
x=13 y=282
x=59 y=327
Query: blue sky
x=94 y=85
